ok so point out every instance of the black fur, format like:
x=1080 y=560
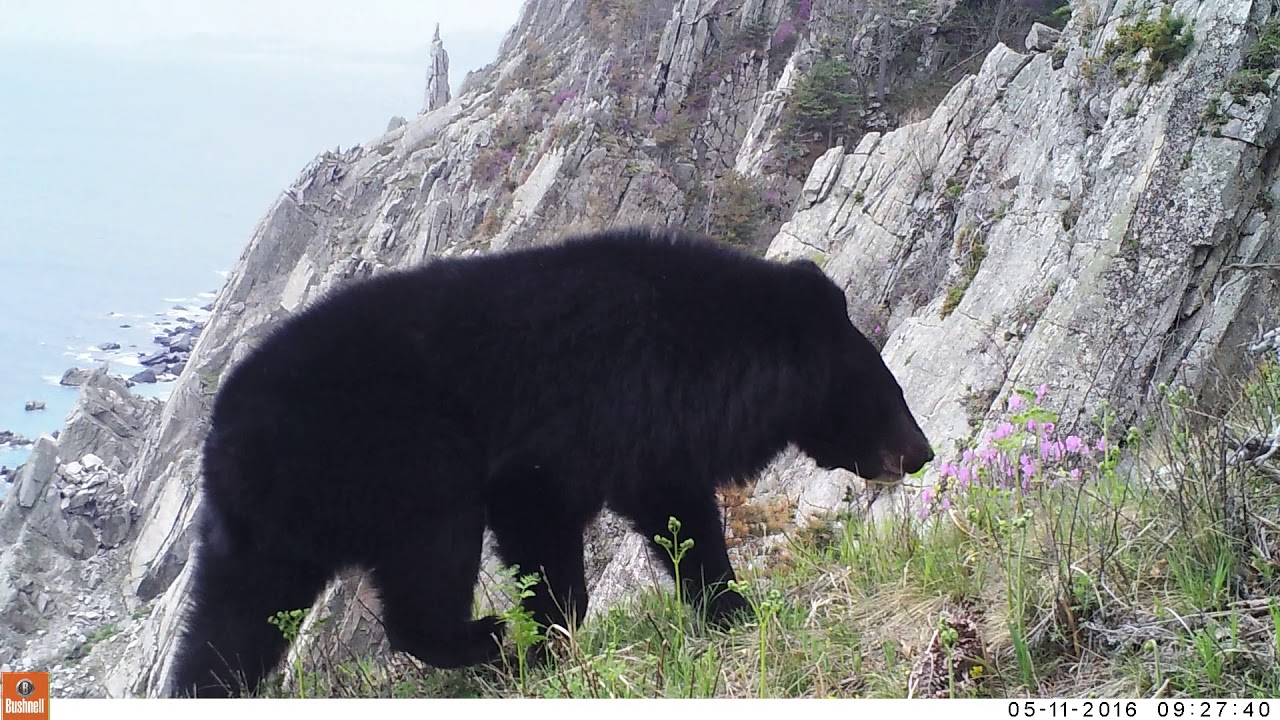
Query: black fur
x=387 y=425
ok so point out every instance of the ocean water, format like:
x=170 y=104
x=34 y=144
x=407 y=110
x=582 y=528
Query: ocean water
x=130 y=185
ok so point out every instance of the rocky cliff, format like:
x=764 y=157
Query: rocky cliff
x=1091 y=210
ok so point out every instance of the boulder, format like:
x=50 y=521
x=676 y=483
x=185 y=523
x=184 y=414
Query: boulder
x=75 y=377
x=146 y=376
x=1042 y=38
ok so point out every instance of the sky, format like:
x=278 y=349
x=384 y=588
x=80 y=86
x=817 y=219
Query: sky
x=142 y=140
x=363 y=37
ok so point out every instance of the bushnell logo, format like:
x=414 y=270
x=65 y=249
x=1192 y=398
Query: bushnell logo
x=26 y=696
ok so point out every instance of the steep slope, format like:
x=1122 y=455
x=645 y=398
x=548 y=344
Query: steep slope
x=1048 y=222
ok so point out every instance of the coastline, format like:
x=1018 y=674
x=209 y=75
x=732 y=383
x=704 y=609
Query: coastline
x=147 y=351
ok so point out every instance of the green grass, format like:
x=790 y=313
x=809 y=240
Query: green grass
x=974 y=247
x=102 y=632
x=1143 y=566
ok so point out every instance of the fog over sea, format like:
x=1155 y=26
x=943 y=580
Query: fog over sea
x=130 y=183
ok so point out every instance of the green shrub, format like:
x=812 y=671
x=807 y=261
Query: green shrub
x=737 y=209
x=825 y=100
x=1166 y=39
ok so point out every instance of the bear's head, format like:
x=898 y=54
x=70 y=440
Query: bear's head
x=858 y=419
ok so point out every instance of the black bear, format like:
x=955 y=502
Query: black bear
x=388 y=424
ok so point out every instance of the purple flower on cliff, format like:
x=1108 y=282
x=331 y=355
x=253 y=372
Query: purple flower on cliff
x=1002 y=432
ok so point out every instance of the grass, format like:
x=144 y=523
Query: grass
x=1095 y=561
x=102 y=632
x=972 y=244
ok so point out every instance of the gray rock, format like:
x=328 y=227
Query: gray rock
x=1042 y=38
x=74 y=535
x=113 y=529
x=8 y=437
x=155 y=358
x=181 y=343
x=107 y=346
x=437 y=92
x=34 y=475
x=146 y=376
x=75 y=377
x=107 y=420
x=33 y=405
x=395 y=123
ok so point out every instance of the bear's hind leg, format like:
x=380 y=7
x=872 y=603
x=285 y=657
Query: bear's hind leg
x=228 y=646
x=427 y=585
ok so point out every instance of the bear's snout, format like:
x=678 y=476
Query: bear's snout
x=914 y=450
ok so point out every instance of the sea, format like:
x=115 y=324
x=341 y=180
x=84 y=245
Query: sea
x=130 y=184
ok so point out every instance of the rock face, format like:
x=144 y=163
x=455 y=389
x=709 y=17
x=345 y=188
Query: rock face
x=67 y=510
x=1046 y=222
x=437 y=94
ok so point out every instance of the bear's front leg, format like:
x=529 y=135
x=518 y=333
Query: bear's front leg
x=427 y=584
x=703 y=567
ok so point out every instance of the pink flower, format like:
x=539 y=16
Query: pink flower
x=1031 y=426
x=1075 y=473
x=1002 y=432
x=1048 y=428
x=1074 y=443
x=1102 y=444
x=1041 y=392
x=946 y=503
x=963 y=475
x=1015 y=402
x=1028 y=467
